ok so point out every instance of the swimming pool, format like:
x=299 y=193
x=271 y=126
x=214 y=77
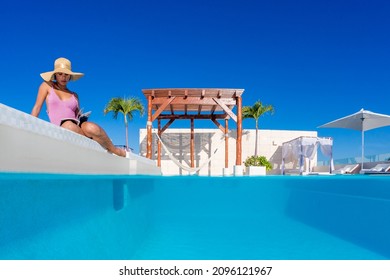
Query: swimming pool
x=194 y=218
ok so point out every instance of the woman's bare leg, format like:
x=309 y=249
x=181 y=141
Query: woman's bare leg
x=73 y=127
x=98 y=134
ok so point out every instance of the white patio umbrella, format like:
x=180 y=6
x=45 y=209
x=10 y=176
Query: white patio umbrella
x=363 y=120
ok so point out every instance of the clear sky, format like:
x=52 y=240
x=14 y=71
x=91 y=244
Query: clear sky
x=314 y=61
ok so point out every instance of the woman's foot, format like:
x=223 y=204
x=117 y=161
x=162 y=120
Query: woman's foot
x=119 y=152
x=98 y=134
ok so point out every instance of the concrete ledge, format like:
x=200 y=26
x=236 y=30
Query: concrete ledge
x=29 y=144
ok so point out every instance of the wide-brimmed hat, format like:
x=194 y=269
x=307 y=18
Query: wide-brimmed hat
x=61 y=65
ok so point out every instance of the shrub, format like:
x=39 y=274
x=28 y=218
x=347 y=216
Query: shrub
x=258 y=161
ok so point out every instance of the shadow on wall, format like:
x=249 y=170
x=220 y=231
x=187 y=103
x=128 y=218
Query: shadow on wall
x=178 y=144
x=276 y=160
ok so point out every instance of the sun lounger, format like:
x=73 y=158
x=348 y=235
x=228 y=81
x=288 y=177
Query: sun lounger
x=347 y=169
x=318 y=173
x=381 y=168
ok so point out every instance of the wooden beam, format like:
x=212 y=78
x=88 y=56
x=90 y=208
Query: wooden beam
x=218 y=125
x=196 y=117
x=239 y=131
x=226 y=109
x=162 y=107
x=226 y=144
x=167 y=125
x=200 y=109
x=205 y=93
x=193 y=100
x=213 y=109
x=149 y=129
x=159 y=144
x=192 y=145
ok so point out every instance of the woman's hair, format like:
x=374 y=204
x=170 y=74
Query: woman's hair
x=55 y=77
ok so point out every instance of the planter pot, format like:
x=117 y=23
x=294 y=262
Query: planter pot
x=226 y=172
x=238 y=170
x=256 y=171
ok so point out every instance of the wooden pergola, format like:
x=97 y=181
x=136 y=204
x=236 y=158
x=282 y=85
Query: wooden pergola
x=194 y=104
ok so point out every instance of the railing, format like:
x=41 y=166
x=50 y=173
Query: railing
x=124 y=147
x=358 y=159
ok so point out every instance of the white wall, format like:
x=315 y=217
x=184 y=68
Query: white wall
x=208 y=140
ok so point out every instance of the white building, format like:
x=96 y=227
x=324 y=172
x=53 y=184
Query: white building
x=210 y=149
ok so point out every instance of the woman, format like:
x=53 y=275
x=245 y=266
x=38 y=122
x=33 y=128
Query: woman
x=63 y=105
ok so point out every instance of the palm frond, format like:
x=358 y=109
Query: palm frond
x=256 y=111
x=126 y=106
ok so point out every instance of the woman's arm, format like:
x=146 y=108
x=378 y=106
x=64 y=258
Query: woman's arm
x=78 y=112
x=42 y=93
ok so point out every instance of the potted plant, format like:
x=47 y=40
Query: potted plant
x=257 y=165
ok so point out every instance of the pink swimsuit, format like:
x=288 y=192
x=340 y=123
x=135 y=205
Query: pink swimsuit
x=59 y=110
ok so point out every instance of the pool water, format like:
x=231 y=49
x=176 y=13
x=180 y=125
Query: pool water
x=194 y=218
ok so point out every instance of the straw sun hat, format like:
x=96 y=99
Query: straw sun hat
x=61 y=65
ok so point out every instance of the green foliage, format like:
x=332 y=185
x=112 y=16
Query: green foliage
x=126 y=106
x=256 y=111
x=258 y=161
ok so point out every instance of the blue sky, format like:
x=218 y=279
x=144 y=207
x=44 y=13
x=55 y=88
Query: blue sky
x=314 y=61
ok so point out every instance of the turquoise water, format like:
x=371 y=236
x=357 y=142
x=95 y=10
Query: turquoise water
x=192 y=218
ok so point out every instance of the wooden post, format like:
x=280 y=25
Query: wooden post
x=239 y=131
x=226 y=143
x=159 y=144
x=149 y=129
x=192 y=145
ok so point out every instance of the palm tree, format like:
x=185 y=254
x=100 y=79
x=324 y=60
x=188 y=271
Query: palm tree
x=255 y=112
x=126 y=106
